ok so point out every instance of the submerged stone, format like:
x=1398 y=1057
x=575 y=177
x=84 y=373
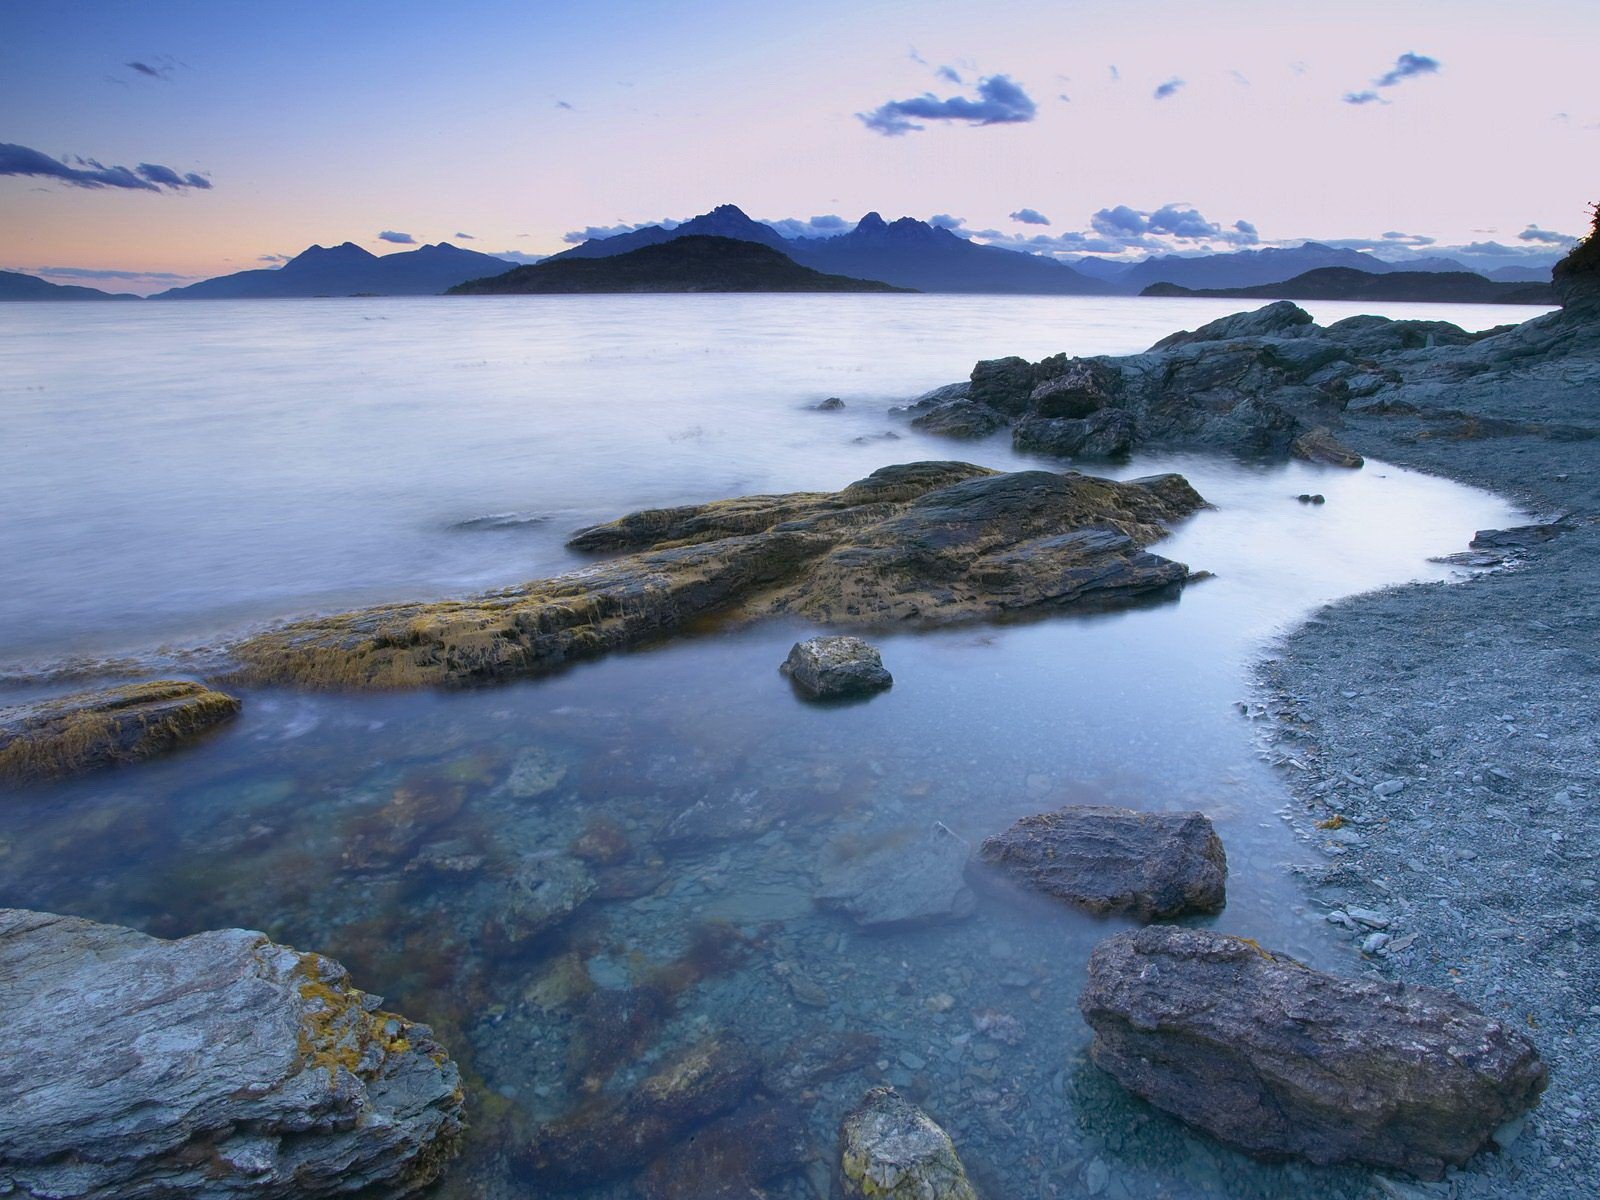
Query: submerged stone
x=827 y=668
x=1280 y=1060
x=68 y=735
x=891 y=1150
x=899 y=880
x=931 y=542
x=216 y=1064
x=732 y=1158
x=1151 y=866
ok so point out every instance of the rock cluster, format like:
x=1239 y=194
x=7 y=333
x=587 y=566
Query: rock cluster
x=828 y=668
x=217 y=1064
x=1151 y=866
x=925 y=542
x=67 y=735
x=1280 y=1060
x=891 y=1150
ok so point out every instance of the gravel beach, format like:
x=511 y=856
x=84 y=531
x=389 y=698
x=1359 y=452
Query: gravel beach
x=1440 y=740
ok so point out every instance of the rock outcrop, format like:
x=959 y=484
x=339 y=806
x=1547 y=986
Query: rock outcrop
x=1151 y=866
x=891 y=1150
x=1577 y=276
x=218 y=1064
x=110 y=727
x=929 y=543
x=828 y=668
x=1280 y=1060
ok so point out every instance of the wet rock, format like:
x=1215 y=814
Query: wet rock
x=831 y=404
x=111 y=727
x=389 y=834
x=603 y=842
x=930 y=542
x=726 y=815
x=961 y=419
x=1311 y=498
x=1279 y=319
x=1320 y=446
x=1280 y=1060
x=542 y=891
x=1108 y=433
x=897 y=880
x=732 y=1158
x=828 y=668
x=535 y=773
x=1518 y=537
x=615 y=1026
x=1082 y=389
x=217 y=1064
x=891 y=1150
x=616 y=1135
x=813 y=1058
x=1003 y=383
x=1151 y=866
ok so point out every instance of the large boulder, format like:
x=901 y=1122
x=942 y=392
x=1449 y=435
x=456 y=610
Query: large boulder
x=896 y=880
x=1151 y=866
x=110 y=727
x=1108 y=433
x=219 y=1064
x=961 y=418
x=1280 y=1060
x=929 y=542
x=891 y=1150
x=828 y=668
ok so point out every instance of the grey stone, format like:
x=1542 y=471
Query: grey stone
x=1271 y=1056
x=898 y=880
x=827 y=668
x=891 y=1150
x=217 y=1064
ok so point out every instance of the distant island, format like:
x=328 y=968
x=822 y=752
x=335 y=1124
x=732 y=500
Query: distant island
x=348 y=270
x=14 y=285
x=1347 y=283
x=695 y=263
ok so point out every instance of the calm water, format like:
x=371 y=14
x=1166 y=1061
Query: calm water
x=178 y=473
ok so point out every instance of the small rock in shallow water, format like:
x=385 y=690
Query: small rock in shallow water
x=829 y=667
x=892 y=1150
x=899 y=880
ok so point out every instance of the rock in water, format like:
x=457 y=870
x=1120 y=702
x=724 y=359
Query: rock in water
x=1320 y=446
x=1152 y=866
x=109 y=727
x=891 y=1150
x=1268 y=1055
x=828 y=668
x=900 y=880
x=960 y=418
x=218 y=1064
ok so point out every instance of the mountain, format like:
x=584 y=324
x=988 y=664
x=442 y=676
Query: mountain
x=907 y=253
x=682 y=264
x=1519 y=274
x=348 y=270
x=1248 y=268
x=14 y=285
x=1345 y=283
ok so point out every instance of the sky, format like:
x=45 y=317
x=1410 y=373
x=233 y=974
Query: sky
x=149 y=143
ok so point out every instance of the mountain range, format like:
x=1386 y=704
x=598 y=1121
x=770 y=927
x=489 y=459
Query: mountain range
x=695 y=263
x=14 y=285
x=1348 y=283
x=348 y=270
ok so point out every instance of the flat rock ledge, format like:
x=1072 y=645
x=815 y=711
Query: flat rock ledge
x=68 y=735
x=928 y=542
x=218 y=1064
x=891 y=1150
x=1280 y=1060
x=828 y=668
x=1151 y=866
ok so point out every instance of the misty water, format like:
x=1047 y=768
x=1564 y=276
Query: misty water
x=174 y=475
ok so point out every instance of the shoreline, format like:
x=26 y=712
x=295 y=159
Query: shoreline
x=1479 y=698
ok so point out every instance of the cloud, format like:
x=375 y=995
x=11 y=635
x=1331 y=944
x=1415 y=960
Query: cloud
x=1246 y=229
x=465 y=237
x=826 y=225
x=1407 y=66
x=589 y=233
x=946 y=221
x=1395 y=237
x=87 y=173
x=563 y=104
x=1546 y=237
x=949 y=74
x=1169 y=88
x=1121 y=228
x=517 y=256
x=148 y=70
x=272 y=258
x=1030 y=216
x=1000 y=101
x=1116 y=75
x=1239 y=78
x=399 y=239
x=106 y=273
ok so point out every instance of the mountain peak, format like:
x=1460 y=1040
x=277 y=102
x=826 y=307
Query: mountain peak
x=344 y=250
x=728 y=210
x=871 y=223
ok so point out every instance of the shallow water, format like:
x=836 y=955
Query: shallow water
x=189 y=470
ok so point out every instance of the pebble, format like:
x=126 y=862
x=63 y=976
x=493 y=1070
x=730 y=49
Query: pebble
x=1369 y=917
x=1375 y=942
x=1389 y=787
x=912 y=1062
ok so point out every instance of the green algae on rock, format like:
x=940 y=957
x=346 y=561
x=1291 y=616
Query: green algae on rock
x=892 y=1150
x=928 y=542
x=85 y=731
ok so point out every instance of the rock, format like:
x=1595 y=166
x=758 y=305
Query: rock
x=726 y=815
x=543 y=891
x=1003 y=383
x=831 y=404
x=1280 y=1060
x=614 y=1026
x=1281 y=318
x=1151 y=866
x=931 y=542
x=961 y=419
x=616 y=1135
x=111 y=727
x=813 y=1058
x=897 y=881
x=961 y=390
x=730 y=1159
x=1389 y=787
x=216 y=1064
x=891 y=1150
x=1320 y=446
x=534 y=773
x=1108 y=433
x=1518 y=537
x=1309 y=498
x=1084 y=388
x=827 y=668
